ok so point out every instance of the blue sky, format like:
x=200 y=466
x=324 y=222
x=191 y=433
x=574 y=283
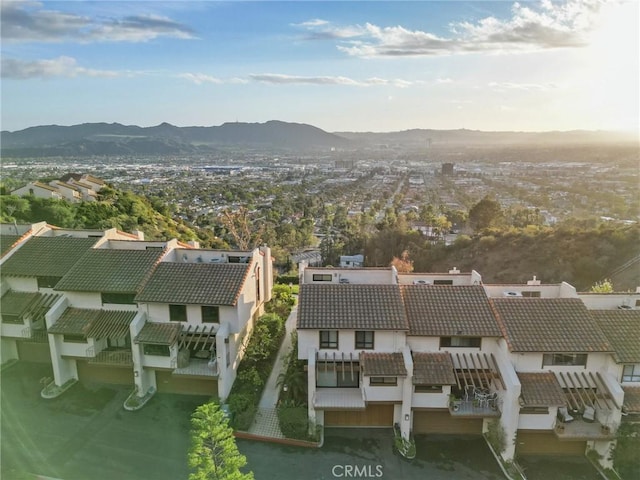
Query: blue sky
x=341 y=66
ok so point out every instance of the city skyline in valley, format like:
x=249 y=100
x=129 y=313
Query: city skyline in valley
x=341 y=66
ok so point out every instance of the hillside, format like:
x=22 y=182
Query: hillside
x=163 y=139
x=578 y=256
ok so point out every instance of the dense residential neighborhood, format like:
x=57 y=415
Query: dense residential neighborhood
x=551 y=369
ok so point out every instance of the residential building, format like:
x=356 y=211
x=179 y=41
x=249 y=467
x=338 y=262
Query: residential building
x=111 y=307
x=445 y=353
x=38 y=190
x=72 y=187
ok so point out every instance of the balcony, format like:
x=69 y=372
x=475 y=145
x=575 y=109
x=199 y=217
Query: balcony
x=582 y=430
x=473 y=409
x=113 y=357
x=199 y=368
x=35 y=335
x=340 y=399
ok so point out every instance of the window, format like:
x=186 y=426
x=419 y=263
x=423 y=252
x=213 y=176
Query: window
x=383 y=381
x=74 y=338
x=157 y=350
x=15 y=319
x=328 y=339
x=150 y=247
x=428 y=389
x=210 y=314
x=322 y=277
x=178 y=313
x=473 y=342
x=443 y=282
x=256 y=272
x=535 y=410
x=631 y=373
x=579 y=359
x=330 y=375
x=531 y=294
x=364 y=340
x=120 y=298
x=48 y=282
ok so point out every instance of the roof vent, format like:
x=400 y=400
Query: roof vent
x=511 y=293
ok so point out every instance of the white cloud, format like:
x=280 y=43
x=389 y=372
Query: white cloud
x=202 y=78
x=57 y=67
x=545 y=26
x=317 y=29
x=281 y=79
x=30 y=22
x=503 y=86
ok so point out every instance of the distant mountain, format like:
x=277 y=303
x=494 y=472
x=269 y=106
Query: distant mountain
x=167 y=139
x=464 y=137
x=117 y=139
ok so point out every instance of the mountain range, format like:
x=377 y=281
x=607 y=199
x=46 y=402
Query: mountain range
x=165 y=139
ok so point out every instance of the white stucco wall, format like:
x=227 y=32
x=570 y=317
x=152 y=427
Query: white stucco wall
x=21 y=284
x=384 y=341
x=84 y=299
x=380 y=276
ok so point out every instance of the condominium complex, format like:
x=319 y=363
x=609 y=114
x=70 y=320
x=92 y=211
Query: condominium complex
x=108 y=306
x=445 y=353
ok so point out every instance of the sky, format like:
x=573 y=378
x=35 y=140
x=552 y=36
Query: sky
x=341 y=66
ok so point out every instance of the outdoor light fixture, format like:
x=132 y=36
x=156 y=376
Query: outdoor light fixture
x=406 y=417
x=136 y=373
x=285 y=388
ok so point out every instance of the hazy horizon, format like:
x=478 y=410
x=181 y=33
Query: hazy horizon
x=340 y=66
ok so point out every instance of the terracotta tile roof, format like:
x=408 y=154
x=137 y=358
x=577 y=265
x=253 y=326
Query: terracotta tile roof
x=195 y=283
x=622 y=329
x=159 y=333
x=46 y=256
x=449 y=310
x=7 y=241
x=44 y=186
x=549 y=325
x=351 y=306
x=27 y=303
x=382 y=364
x=110 y=271
x=631 y=399
x=541 y=390
x=433 y=368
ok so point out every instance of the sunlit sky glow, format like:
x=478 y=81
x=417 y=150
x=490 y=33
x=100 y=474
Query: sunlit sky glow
x=341 y=66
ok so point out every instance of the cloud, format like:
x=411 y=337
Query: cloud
x=202 y=78
x=528 y=28
x=538 y=87
x=281 y=79
x=30 y=22
x=317 y=29
x=58 y=67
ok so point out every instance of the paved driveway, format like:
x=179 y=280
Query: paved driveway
x=558 y=468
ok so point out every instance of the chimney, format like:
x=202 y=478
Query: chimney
x=193 y=243
x=454 y=270
x=139 y=234
x=535 y=281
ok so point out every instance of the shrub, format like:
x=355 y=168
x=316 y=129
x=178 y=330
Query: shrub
x=287 y=279
x=243 y=407
x=496 y=436
x=294 y=422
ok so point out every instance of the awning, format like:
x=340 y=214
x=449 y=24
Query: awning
x=23 y=304
x=382 y=364
x=541 y=390
x=586 y=389
x=433 y=368
x=111 y=324
x=159 y=333
x=477 y=370
x=198 y=337
x=74 y=321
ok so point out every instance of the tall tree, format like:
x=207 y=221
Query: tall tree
x=486 y=213
x=214 y=454
x=240 y=227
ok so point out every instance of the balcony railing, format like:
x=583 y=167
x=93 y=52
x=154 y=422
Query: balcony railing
x=474 y=408
x=580 y=429
x=35 y=335
x=116 y=357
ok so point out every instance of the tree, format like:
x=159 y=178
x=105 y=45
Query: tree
x=605 y=286
x=403 y=264
x=239 y=225
x=486 y=213
x=214 y=454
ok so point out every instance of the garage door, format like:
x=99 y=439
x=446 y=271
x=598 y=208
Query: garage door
x=34 y=352
x=536 y=442
x=441 y=421
x=169 y=383
x=104 y=374
x=375 y=415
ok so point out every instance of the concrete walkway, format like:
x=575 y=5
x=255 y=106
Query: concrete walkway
x=266 y=421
